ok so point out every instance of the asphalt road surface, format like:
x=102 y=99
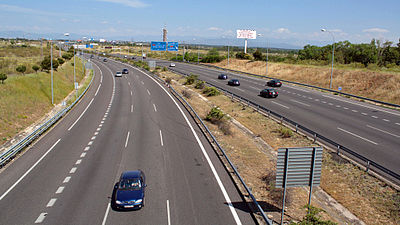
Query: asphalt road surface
x=122 y=123
x=370 y=130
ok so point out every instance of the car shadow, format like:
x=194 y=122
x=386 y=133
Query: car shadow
x=114 y=206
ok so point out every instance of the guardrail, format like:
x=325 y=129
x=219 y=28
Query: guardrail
x=188 y=106
x=340 y=149
x=13 y=150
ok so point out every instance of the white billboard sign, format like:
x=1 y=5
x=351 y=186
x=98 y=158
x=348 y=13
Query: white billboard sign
x=247 y=34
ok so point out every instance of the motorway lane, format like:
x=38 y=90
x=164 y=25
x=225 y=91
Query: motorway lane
x=369 y=130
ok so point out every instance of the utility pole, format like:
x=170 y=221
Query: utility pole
x=51 y=66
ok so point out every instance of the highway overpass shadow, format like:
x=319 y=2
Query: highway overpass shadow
x=245 y=206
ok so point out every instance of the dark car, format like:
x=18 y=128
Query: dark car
x=234 y=82
x=269 y=93
x=104 y=60
x=274 y=83
x=133 y=57
x=129 y=193
x=125 y=71
x=222 y=76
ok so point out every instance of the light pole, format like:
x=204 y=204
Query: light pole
x=266 y=65
x=51 y=66
x=333 y=54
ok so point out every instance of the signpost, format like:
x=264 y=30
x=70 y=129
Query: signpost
x=173 y=46
x=246 y=34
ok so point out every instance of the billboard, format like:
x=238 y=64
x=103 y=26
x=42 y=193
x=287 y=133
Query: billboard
x=158 y=46
x=172 y=46
x=247 y=34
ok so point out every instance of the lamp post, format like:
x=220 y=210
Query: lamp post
x=333 y=54
x=51 y=66
x=266 y=65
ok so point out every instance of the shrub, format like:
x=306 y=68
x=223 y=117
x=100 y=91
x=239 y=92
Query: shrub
x=35 y=68
x=215 y=115
x=242 y=55
x=46 y=64
x=60 y=61
x=186 y=94
x=168 y=80
x=21 y=69
x=257 y=55
x=164 y=69
x=3 y=77
x=285 y=132
x=211 y=91
x=225 y=127
x=312 y=217
x=190 y=79
x=199 y=84
x=67 y=56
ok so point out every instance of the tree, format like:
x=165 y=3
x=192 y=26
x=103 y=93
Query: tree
x=35 y=68
x=3 y=77
x=60 y=61
x=67 y=56
x=21 y=69
x=257 y=55
x=46 y=64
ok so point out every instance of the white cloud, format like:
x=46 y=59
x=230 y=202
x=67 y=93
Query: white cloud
x=130 y=3
x=18 y=9
x=283 y=30
x=375 y=30
x=214 y=28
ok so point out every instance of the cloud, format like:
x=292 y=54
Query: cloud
x=283 y=30
x=18 y=9
x=375 y=30
x=130 y=3
x=214 y=28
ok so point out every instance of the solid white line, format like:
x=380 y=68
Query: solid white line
x=148 y=91
x=73 y=169
x=60 y=190
x=97 y=90
x=386 y=132
x=220 y=184
x=41 y=217
x=127 y=138
x=80 y=115
x=155 y=109
x=101 y=78
x=29 y=170
x=355 y=135
x=51 y=202
x=131 y=108
x=67 y=179
x=284 y=106
x=106 y=214
x=79 y=161
x=168 y=213
x=300 y=102
x=162 y=143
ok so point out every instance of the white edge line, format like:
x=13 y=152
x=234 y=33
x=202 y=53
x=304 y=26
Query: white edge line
x=29 y=170
x=106 y=214
x=80 y=115
x=355 y=135
x=383 y=131
x=127 y=139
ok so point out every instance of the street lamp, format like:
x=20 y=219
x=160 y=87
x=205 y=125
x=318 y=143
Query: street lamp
x=51 y=66
x=333 y=54
x=266 y=65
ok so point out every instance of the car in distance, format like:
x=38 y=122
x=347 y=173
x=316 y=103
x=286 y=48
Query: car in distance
x=222 y=76
x=274 y=83
x=125 y=71
x=118 y=74
x=269 y=93
x=130 y=190
x=172 y=65
x=104 y=60
x=234 y=82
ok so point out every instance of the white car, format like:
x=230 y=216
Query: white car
x=172 y=65
x=118 y=74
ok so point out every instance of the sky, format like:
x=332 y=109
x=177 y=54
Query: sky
x=295 y=22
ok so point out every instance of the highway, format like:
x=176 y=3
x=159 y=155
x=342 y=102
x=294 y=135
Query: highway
x=370 y=130
x=122 y=123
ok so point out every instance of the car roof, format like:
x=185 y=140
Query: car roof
x=131 y=174
x=234 y=80
x=124 y=69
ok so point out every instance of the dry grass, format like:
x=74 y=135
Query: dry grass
x=384 y=86
x=368 y=198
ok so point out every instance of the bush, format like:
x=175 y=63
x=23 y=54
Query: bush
x=312 y=217
x=242 y=55
x=67 y=56
x=215 y=115
x=258 y=55
x=191 y=79
x=225 y=127
x=164 y=69
x=21 y=69
x=186 y=94
x=285 y=132
x=3 y=77
x=211 y=91
x=35 y=68
x=46 y=64
x=168 y=80
x=60 y=61
x=199 y=84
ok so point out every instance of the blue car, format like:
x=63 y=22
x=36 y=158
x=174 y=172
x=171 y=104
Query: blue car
x=130 y=190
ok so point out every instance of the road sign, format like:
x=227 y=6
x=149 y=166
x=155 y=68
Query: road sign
x=173 y=46
x=76 y=85
x=340 y=88
x=158 y=46
x=246 y=34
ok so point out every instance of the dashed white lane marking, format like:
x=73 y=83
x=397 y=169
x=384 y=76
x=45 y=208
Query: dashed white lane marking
x=102 y=121
x=83 y=155
x=355 y=135
x=148 y=92
x=78 y=161
x=87 y=148
x=240 y=89
x=98 y=129
x=94 y=137
x=142 y=82
x=323 y=102
x=72 y=170
x=398 y=124
x=129 y=83
x=254 y=88
x=127 y=139
x=100 y=125
x=131 y=93
x=90 y=143
x=155 y=109
x=383 y=131
x=131 y=108
x=168 y=213
x=365 y=114
x=386 y=120
x=310 y=98
x=106 y=214
x=96 y=133
x=345 y=108
x=41 y=218
x=60 y=190
x=301 y=103
x=51 y=202
x=80 y=115
x=67 y=179
x=354 y=110
x=330 y=103
x=374 y=117
x=97 y=90
x=317 y=100
x=284 y=106
x=162 y=143
x=338 y=106
x=29 y=170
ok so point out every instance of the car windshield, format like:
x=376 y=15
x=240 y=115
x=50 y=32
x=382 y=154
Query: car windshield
x=130 y=184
